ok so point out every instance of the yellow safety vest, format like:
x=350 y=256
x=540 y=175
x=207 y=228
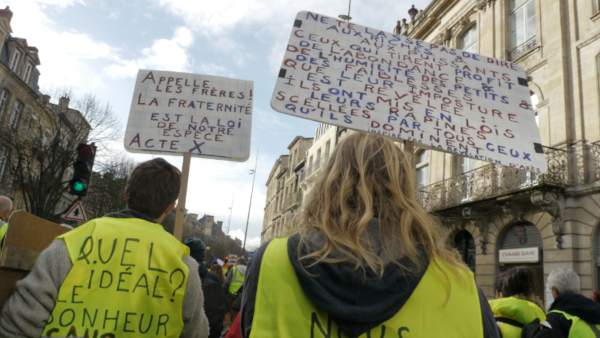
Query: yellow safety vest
x=225 y=269
x=580 y=328
x=283 y=310
x=237 y=280
x=128 y=280
x=520 y=310
x=3 y=231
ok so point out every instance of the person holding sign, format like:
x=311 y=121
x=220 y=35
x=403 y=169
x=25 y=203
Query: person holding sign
x=368 y=260
x=121 y=275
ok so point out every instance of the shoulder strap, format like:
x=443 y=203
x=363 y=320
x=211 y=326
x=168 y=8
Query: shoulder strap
x=594 y=329
x=509 y=321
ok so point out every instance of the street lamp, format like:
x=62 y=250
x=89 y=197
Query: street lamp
x=253 y=173
x=346 y=17
x=230 y=211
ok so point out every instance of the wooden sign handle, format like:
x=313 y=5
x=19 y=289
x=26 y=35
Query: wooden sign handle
x=185 y=174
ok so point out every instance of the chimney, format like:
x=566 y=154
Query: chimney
x=46 y=98
x=6 y=13
x=63 y=104
x=220 y=224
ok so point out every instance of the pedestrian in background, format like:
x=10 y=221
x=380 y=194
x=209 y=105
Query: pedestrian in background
x=571 y=313
x=367 y=260
x=218 y=270
x=516 y=303
x=114 y=271
x=214 y=299
x=233 y=282
x=5 y=209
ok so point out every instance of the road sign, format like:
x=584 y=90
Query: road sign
x=438 y=97
x=203 y=115
x=76 y=213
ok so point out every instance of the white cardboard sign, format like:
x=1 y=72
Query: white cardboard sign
x=207 y=116
x=362 y=78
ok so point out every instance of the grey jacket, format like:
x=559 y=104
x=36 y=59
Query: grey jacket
x=27 y=311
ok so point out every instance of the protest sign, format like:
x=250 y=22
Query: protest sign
x=203 y=115
x=357 y=77
x=27 y=236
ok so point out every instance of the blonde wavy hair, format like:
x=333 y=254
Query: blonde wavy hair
x=368 y=176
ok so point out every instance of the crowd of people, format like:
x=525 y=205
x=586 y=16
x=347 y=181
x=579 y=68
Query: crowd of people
x=366 y=261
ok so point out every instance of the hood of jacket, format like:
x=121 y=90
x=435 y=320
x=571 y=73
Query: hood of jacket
x=356 y=301
x=578 y=305
x=198 y=253
x=242 y=269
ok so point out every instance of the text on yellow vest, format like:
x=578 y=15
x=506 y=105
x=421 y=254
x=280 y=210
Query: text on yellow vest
x=283 y=310
x=128 y=280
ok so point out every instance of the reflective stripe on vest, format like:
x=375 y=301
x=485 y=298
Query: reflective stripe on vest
x=580 y=328
x=520 y=310
x=127 y=280
x=283 y=310
x=237 y=280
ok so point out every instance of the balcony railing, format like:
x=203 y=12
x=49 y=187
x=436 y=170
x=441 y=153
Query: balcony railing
x=292 y=200
x=522 y=49
x=493 y=180
x=311 y=169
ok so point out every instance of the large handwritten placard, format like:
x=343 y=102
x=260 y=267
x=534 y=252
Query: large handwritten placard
x=362 y=78
x=207 y=116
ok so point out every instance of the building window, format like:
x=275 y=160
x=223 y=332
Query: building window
x=464 y=164
x=15 y=62
x=27 y=73
x=534 y=102
x=522 y=22
x=3 y=162
x=468 y=42
x=3 y=102
x=422 y=169
x=464 y=243
x=15 y=114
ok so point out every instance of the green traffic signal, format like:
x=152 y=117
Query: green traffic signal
x=78 y=186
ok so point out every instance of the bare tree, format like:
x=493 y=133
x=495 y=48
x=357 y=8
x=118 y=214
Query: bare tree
x=108 y=184
x=42 y=144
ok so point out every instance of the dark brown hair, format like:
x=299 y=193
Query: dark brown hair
x=517 y=281
x=152 y=186
x=218 y=270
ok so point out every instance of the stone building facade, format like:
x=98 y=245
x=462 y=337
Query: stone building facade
x=284 y=194
x=26 y=111
x=490 y=208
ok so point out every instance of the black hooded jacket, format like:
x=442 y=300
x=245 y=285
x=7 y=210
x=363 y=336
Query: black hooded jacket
x=356 y=304
x=575 y=305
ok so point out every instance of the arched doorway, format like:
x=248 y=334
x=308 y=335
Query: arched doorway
x=522 y=245
x=465 y=244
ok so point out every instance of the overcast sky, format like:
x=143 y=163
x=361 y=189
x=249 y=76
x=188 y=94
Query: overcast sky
x=98 y=46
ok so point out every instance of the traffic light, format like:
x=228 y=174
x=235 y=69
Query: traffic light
x=82 y=169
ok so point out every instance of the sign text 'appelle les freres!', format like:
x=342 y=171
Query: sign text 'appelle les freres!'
x=206 y=116
x=362 y=78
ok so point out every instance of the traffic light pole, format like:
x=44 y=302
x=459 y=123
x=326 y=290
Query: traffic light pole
x=185 y=173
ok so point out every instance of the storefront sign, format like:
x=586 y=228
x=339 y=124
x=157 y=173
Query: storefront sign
x=176 y=113
x=442 y=98
x=523 y=255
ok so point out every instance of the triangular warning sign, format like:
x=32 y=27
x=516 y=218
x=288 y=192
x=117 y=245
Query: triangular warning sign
x=76 y=213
